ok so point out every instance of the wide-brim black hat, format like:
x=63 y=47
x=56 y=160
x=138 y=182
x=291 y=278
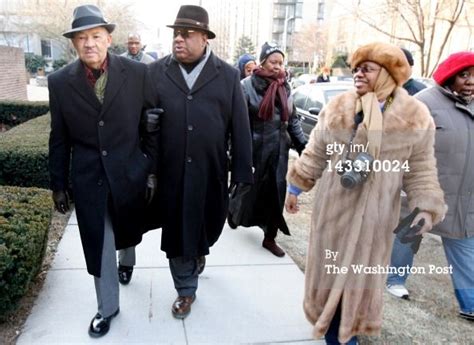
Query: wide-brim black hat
x=193 y=17
x=87 y=17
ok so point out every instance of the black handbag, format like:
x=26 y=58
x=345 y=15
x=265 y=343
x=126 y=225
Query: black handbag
x=241 y=201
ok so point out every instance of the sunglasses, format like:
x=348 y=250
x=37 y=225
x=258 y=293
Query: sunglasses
x=364 y=69
x=184 y=33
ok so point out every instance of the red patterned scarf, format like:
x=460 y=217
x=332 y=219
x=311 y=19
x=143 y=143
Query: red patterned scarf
x=275 y=89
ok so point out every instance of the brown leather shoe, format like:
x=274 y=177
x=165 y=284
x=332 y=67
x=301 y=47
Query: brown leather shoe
x=182 y=306
x=271 y=245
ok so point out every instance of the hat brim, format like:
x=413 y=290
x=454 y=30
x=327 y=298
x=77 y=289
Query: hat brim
x=70 y=34
x=209 y=33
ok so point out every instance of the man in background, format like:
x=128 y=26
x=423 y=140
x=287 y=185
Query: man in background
x=135 y=49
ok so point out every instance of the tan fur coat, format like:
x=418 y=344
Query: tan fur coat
x=357 y=224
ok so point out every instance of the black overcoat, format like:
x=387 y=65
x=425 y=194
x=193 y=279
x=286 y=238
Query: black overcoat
x=107 y=149
x=262 y=205
x=196 y=127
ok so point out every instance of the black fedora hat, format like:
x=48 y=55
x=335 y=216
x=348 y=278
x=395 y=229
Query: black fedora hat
x=87 y=17
x=193 y=17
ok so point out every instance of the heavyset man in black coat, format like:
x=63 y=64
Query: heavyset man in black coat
x=203 y=108
x=99 y=134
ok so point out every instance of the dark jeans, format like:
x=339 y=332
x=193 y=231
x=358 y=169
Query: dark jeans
x=331 y=335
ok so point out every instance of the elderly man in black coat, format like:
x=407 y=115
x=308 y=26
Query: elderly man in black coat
x=204 y=110
x=99 y=133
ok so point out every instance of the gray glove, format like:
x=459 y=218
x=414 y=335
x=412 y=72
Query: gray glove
x=153 y=119
x=151 y=184
x=61 y=201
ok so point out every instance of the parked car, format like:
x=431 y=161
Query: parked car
x=303 y=79
x=309 y=99
x=427 y=81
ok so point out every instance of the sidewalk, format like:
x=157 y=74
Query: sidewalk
x=245 y=296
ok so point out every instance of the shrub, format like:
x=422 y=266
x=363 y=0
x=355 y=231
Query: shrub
x=57 y=64
x=24 y=154
x=13 y=113
x=25 y=217
x=33 y=62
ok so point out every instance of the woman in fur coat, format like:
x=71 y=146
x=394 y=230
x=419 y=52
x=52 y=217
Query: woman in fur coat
x=351 y=228
x=274 y=125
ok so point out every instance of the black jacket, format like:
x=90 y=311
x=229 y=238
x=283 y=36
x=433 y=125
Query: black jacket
x=196 y=127
x=104 y=149
x=271 y=142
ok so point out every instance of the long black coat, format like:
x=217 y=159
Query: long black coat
x=262 y=205
x=107 y=148
x=193 y=162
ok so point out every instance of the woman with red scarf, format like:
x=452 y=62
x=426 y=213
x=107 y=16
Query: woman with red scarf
x=274 y=127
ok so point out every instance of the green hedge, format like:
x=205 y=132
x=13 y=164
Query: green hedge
x=24 y=154
x=12 y=113
x=25 y=217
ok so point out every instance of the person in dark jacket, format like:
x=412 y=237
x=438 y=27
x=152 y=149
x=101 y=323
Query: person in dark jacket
x=247 y=63
x=324 y=76
x=274 y=126
x=99 y=135
x=411 y=85
x=452 y=107
x=204 y=109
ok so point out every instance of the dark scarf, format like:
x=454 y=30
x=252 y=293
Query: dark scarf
x=276 y=90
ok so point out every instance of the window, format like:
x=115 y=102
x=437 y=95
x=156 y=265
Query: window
x=299 y=99
x=46 y=48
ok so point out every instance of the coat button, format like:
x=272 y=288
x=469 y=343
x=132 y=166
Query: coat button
x=189 y=159
x=190 y=97
x=190 y=127
x=101 y=123
x=104 y=153
x=100 y=183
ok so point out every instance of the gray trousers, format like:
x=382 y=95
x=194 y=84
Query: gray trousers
x=127 y=256
x=107 y=286
x=184 y=270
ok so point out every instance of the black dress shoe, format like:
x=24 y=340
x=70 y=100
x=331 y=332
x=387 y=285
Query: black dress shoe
x=100 y=325
x=201 y=261
x=125 y=274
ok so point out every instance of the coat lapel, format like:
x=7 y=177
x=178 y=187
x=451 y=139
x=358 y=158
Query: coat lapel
x=209 y=72
x=78 y=81
x=117 y=75
x=174 y=74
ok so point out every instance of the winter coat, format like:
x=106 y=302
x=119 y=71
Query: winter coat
x=270 y=146
x=357 y=223
x=454 y=150
x=413 y=86
x=193 y=168
x=107 y=149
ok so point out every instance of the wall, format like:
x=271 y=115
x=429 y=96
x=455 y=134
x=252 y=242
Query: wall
x=12 y=74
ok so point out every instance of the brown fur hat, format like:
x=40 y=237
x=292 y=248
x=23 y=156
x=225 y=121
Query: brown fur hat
x=387 y=55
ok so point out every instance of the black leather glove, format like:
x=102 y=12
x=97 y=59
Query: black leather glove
x=407 y=234
x=61 y=201
x=153 y=119
x=151 y=184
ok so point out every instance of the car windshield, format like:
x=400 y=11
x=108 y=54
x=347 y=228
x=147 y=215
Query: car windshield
x=330 y=94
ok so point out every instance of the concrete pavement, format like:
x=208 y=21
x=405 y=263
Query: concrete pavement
x=245 y=296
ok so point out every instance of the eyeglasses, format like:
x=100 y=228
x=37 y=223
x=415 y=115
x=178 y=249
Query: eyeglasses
x=185 y=33
x=364 y=69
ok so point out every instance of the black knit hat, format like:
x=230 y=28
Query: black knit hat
x=87 y=17
x=193 y=17
x=268 y=49
x=409 y=56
